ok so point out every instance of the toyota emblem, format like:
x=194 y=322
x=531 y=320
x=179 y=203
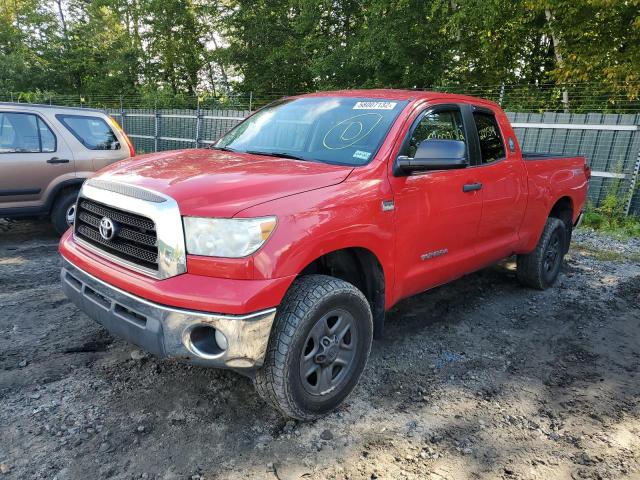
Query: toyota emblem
x=107 y=228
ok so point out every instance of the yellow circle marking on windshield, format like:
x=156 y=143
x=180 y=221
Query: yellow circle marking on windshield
x=341 y=130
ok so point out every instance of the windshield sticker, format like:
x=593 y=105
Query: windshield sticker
x=350 y=131
x=360 y=155
x=375 y=105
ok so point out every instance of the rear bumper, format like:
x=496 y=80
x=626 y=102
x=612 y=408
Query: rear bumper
x=166 y=331
x=579 y=219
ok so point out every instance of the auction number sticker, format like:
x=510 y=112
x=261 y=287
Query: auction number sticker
x=362 y=155
x=375 y=105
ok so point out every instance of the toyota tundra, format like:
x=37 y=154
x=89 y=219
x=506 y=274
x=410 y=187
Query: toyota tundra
x=277 y=251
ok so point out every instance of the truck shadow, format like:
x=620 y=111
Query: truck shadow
x=451 y=302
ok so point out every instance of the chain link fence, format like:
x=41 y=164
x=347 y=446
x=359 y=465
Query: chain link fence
x=603 y=124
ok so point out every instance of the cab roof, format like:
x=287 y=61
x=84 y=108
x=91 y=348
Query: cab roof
x=396 y=94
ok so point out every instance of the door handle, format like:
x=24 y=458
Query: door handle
x=58 y=160
x=471 y=187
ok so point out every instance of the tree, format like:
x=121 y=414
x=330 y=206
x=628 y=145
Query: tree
x=28 y=42
x=600 y=41
x=275 y=47
x=98 y=53
x=174 y=46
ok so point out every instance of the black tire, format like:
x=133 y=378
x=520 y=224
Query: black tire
x=540 y=268
x=308 y=331
x=61 y=208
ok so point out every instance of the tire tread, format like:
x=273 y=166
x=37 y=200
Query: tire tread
x=529 y=266
x=59 y=212
x=300 y=301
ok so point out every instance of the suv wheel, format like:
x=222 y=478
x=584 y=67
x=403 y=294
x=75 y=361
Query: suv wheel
x=64 y=211
x=540 y=268
x=318 y=348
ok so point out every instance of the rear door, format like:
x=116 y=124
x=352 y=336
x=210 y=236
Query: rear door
x=436 y=216
x=94 y=140
x=503 y=178
x=32 y=156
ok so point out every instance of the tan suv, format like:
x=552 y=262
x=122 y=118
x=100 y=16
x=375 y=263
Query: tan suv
x=46 y=153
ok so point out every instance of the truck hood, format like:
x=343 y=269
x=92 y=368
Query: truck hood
x=213 y=183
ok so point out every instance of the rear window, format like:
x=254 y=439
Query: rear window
x=93 y=132
x=491 y=145
x=25 y=133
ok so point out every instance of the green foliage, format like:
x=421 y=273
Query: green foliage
x=539 y=50
x=621 y=226
x=598 y=39
x=610 y=217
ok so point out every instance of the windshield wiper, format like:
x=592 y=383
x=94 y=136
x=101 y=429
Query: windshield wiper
x=275 y=154
x=224 y=149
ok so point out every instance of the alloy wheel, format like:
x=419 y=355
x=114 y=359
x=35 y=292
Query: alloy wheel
x=71 y=214
x=329 y=352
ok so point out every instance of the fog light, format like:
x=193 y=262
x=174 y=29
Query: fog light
x=206 y=342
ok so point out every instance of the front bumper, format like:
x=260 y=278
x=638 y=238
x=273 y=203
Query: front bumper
x=165 y=331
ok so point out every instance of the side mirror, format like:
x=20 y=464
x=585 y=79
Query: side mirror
x=433 y=155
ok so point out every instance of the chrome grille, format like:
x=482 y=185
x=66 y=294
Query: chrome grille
x=135 y=239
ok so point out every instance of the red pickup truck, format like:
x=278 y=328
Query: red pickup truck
x=277 y=251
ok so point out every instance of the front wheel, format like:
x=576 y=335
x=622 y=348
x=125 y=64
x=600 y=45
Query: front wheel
x=63 y=213
x=318 y=348
x=540 y=268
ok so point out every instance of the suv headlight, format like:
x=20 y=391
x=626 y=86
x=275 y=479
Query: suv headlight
x=226 y=237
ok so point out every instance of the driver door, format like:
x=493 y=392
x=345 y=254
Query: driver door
x=437 y=215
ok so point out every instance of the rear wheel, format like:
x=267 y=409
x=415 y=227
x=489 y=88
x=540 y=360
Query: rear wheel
x=63 y=212
x=540 y=268
x=318 y=347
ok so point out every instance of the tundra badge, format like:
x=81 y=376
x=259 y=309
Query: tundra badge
x=437 y=253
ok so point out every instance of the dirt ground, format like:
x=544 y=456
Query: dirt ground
x=478 y=379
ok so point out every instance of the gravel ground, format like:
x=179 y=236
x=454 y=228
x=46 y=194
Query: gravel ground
x=481 y=378
x=589 y=238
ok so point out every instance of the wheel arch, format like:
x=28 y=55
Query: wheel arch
x=563 y=210
x=61 y=188
x=362 y=268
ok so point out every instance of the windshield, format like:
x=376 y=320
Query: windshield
x=341 y=130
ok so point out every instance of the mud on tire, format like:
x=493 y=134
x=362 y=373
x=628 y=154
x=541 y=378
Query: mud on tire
x=540 y=268
x=319 y=345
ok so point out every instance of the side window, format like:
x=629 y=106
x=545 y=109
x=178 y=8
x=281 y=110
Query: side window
x=47 y=137
x=440 y=125
x=93 y=132
x=8 y=142
x=25 y=133
x=491 y=144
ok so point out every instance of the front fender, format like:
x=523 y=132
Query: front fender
x=312 y=224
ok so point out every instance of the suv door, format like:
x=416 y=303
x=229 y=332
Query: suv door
x=503 y=177
x=94 y=141
x=31 y=157
x=436 y=216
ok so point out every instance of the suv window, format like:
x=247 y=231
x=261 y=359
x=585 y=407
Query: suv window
x=93 y=132
x=491 y=144
x=25 y=133
x=439 y=125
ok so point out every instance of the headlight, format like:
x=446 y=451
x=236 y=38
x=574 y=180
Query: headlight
x=226 y=237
